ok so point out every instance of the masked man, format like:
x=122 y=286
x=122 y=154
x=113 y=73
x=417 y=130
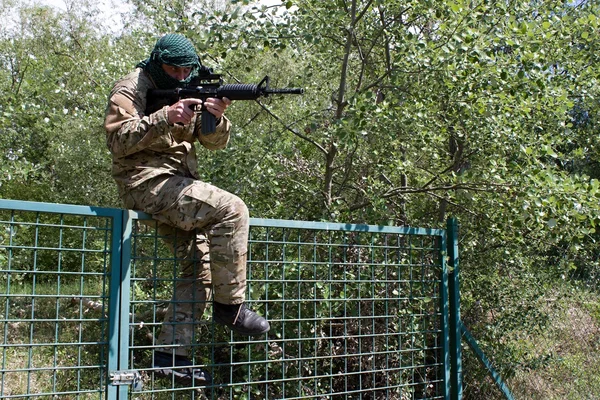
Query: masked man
x=155 y=168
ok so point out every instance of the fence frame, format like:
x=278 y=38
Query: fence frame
x=119 y=289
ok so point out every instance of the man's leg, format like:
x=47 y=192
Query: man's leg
x=225 y=217
x=191 y=292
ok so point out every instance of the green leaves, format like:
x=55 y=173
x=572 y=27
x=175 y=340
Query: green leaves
x=413 y=111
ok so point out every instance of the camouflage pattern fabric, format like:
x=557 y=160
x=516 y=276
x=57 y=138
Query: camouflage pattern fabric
x=155 y=168
x=224 y=217
x=191 y=291
x=189 y=303
x=202 y=207
x=146 y=146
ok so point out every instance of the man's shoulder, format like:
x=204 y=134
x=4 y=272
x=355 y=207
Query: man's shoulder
x=137 y=80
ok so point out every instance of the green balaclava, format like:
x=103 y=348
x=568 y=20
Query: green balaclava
x=172 y=49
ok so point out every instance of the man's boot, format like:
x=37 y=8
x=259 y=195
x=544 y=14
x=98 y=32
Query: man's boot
x=240 y=319
x=181 y=368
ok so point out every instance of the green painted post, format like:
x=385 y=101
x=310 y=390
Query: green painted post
x=114 y=301
x=454 y=294
x=119 y=302
x=125 y=272
x=486 y=362
x=441 y=245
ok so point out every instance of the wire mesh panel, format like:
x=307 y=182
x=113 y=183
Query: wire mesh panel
x=53 y=305
x=355 y=313
x=155 y=271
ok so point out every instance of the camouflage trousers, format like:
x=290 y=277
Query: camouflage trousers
x=191 y=288
x=207 y=230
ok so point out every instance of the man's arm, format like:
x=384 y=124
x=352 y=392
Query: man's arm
x=128 y=129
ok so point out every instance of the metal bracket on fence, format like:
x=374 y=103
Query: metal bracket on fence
x=132 y=378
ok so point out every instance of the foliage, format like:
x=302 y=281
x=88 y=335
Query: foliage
x=414 y=111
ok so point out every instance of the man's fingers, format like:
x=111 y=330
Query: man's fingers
x=217 y=106
x=183 y=111
x=189 y=102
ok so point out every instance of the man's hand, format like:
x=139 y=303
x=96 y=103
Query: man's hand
x=216 y=106
x=182 y=111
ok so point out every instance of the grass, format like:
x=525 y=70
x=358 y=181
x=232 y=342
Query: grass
x=50 y=342
x=568 y=351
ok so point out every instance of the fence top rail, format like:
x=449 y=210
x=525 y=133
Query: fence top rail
x=21 y=205
x=335 y=226
x=326 y=226
x=55 y=208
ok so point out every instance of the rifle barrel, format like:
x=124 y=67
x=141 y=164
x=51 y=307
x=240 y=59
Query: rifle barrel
x=286 y=91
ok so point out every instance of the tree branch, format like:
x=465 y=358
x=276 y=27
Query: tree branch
x=289 y=128
x=473 y=187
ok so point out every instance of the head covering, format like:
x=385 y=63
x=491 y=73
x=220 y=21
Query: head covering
x=172 y=49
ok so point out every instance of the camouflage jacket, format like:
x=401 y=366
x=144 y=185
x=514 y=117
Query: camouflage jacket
x=145 y=149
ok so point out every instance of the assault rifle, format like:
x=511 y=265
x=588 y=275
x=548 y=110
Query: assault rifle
x=208 y=85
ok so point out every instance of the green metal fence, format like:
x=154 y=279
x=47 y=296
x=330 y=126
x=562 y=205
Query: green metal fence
x=356 y=311
x=54 y=299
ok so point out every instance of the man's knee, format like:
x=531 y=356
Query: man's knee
x=238 y=210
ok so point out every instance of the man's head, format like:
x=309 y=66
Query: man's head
x=175 y=72
x=175 y=49
x=173 y=62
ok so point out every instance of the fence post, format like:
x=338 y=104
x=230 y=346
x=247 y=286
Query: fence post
x=454 y=299
x=114 y=302
x=125 y=297
x=118 y=340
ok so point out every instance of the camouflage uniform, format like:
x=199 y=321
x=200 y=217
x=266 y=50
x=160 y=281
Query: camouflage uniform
x=155 y=167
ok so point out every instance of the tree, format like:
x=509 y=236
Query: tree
x=413 y=111
x=56 y=67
